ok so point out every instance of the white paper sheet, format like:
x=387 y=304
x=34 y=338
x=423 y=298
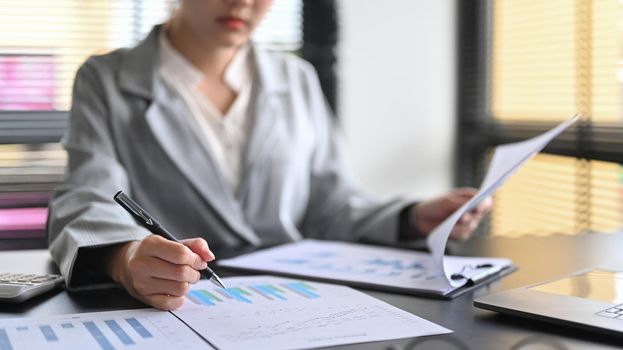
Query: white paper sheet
x=264 y=312
x=507 y=159
x=146 y=329
x=361 y=264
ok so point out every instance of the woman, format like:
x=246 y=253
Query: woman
x=219 y=140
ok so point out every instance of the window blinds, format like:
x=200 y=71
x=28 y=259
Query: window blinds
x=43 y=42
x=549 y=60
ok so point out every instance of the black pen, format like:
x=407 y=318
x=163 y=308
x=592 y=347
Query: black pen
x=154 y=226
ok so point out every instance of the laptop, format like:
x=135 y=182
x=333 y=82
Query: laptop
x=590 y=299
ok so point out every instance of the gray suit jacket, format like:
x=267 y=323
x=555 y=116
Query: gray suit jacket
x=128 y=131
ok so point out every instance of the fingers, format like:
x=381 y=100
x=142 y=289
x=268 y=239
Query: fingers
x=154 y=286
x=468 y=223
x=163 y=302
x=200 y=247
x=158 y=271
x=463 y=231
x=464 y=192
x=173 y=252
x=466 y=218
x=485 y=206
x=155 y=267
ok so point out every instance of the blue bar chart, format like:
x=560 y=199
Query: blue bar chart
x=252 y=293
x=5 y=342
x=119 y=332
x=275 y=313
x=48 y=333
x=132 y=329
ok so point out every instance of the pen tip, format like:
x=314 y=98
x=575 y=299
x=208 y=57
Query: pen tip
x=217 y=281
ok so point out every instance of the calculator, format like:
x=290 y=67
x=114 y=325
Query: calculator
x=18 y=287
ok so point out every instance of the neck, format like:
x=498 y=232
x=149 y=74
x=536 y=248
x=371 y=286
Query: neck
x=208 y=57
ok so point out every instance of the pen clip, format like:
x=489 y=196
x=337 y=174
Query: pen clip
x=133 y=208
x=475 y=276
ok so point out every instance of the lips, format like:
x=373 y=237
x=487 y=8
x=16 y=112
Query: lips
x=232 y=22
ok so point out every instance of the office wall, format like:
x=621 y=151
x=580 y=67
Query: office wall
x=396 y=74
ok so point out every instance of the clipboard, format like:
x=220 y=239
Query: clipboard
x=370 y=267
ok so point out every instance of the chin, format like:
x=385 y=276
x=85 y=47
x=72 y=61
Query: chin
x=232 y=41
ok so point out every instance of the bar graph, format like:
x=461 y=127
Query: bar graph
x=250 y=294
x=48 y=333
x=376 y=266
x=113 y=330
x=119 y=332
x=138 y=327
x=268 y=312
x=5 y=342
x=99 y=337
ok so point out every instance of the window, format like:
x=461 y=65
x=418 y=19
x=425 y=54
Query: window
x=42 y=44
x=537 y=63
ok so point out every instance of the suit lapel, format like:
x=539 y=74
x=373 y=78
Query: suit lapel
x=174 y=132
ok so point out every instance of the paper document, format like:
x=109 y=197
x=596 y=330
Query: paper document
x=264 y=312
x=507 y=159
x=395 y=268
x=361 y=265
x=146 y=329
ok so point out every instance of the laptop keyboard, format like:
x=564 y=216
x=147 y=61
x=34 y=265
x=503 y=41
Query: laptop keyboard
x=613 y=312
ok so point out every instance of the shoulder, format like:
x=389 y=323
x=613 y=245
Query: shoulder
x=285 y=65
x=104 y=62
x=286 y=59
x=99 y=69
x=299 y=78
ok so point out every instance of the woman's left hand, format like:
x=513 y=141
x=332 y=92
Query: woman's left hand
x=427 y=215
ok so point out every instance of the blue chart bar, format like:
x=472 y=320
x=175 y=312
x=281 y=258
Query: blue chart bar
x=5 y=343
x=119 y=332
x=302 y=289
x=48 y=333
x=197 y=298
x=224 y=293
x=67 y=325
x=138 y=327
x=99 y=337
x=248 y=293
x=238 y=294
x=270 y=291
x=260 y=292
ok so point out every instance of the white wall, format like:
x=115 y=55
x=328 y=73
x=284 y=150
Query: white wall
x=396 y=101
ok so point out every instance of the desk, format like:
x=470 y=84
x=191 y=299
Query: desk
x=538 y=259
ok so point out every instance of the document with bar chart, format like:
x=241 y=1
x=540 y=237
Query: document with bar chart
x=383 y=268
x=265 y=312
x=128 y=329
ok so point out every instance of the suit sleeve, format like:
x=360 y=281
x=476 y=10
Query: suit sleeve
x=82 y=215
x=337 y=209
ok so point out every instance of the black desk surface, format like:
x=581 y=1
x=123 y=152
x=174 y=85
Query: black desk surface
x=538 y=259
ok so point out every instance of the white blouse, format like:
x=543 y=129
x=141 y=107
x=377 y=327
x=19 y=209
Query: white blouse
x=224 y=135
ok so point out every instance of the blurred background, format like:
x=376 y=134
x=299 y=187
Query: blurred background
x=423 y=90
